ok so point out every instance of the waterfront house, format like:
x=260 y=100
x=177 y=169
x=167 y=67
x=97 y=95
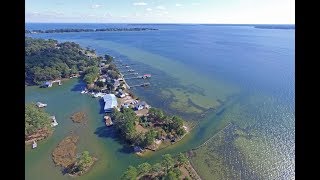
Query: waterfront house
x=110 y=101
x=116 y=83
x=141 y=105
x=48 y=84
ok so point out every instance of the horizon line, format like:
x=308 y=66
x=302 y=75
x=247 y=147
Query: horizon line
x=160 y=23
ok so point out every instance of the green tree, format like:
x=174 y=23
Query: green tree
x=108 y=58
x=182 y=159
x=176 y=123
x=149 y=137
x=167 y=162
x=125 y=123
x=157 y=168
x=74 y=70
x=113 y=74
x=84 y=161
x=100 y=83
x=35 y=119
x=181 y=131
x=90 y=77
x=171 y=175
x=144 y=168
x=156 y=114
x=130 y=174
x=48 y=60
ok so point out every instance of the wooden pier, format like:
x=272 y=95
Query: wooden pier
x=141 y=85
x=125 y=67
x=133 y=73
x=139 y=77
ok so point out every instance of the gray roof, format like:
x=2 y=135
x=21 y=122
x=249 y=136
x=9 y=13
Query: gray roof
x=110 y=101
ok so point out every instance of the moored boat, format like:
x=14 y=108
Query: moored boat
x=34 y=144
x=41 y=105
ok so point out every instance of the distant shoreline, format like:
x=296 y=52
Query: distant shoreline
x=67 y=30
x=275 y=26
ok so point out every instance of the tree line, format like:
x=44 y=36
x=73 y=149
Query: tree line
x=35 y=119
x=168 y=168
x=163 y=125
x=66 y=30
x=48 y=60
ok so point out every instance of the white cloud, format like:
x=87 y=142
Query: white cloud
x=161 y=7
x=96 y=6
x=178 y=5
x=195 y=4
x=139 y=3
x=149 y=9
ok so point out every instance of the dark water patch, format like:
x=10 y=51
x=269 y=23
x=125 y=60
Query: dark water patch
x=79 y=86
x=126 y=149
x=101 y=103
x=106 y=132
x=110 y=132
x=191 y=103
x=221 y=111
x=192 y=88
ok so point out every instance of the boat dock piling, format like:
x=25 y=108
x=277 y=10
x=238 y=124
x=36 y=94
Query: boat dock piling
x=142 y=85
x=134 y=73
x=125 y=67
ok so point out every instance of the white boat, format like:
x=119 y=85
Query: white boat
x=82 y=92
x=54 y=121
x=41 y=105
x=34 y=145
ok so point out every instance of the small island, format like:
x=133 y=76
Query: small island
x=67 y=30
x=65 y=155
x=79 y=117
x=37 y=124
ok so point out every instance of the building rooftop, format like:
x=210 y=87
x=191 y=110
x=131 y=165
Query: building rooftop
x=110 y=101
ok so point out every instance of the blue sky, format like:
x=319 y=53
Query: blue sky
x=162 y=11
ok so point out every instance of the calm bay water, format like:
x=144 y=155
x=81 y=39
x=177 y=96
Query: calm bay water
x=245 y=75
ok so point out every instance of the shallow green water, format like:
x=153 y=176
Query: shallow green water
x=113 y=157
x=190 y=63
